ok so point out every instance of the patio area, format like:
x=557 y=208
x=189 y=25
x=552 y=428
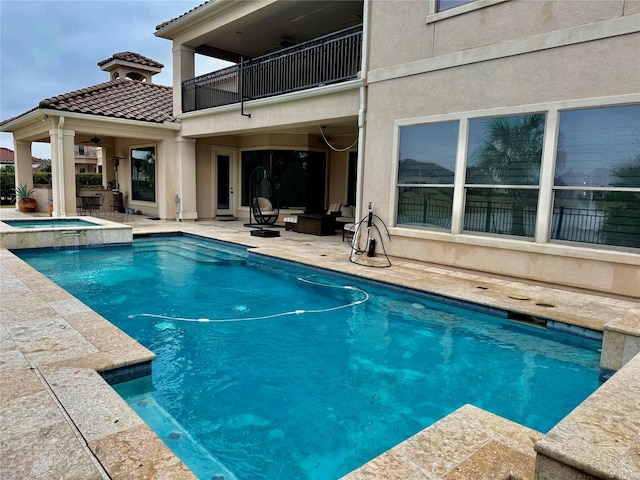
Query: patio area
x=60 y=418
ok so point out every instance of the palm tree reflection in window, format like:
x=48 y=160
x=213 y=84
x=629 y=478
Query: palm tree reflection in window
x=505 y=152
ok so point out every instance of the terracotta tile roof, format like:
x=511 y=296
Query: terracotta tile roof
x=119 y=99
x=133 y=58
x=6 y=155
x=164 y=24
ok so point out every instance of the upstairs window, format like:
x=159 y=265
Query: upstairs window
x=447 y=4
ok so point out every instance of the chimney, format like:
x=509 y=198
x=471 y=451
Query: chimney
x=130 y=66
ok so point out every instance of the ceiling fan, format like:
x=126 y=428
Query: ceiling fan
x=95 y=141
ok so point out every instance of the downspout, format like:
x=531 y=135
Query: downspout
x=61 y=194
x=362 y=110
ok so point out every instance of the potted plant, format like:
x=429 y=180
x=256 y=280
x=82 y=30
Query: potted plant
x=25 y=202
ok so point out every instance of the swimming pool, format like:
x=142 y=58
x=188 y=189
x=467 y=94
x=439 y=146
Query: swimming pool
x=270 y=371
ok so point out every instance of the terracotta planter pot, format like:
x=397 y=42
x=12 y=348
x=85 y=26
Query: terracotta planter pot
x=27 y=205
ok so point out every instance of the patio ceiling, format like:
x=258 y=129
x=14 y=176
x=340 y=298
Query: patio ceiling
x=275 y=26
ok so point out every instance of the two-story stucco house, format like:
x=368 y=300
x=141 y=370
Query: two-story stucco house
x=492 y=135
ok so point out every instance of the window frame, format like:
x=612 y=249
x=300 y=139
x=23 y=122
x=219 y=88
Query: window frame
x=425 y=185
x=544 y=212
x=502 y=186
x=585 y=188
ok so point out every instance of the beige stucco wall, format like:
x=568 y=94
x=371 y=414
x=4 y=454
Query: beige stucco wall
x=497 y=23
x=573 y=72
x=616 y=273
x=282 y=113
x=490 y=77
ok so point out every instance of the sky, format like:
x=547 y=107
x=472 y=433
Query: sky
x=51 y=47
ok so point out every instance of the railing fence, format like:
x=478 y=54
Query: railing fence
x=330 y=59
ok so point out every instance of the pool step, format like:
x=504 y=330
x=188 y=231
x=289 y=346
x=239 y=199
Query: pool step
x=201 y=462
x=468 y=443
x=195 y=253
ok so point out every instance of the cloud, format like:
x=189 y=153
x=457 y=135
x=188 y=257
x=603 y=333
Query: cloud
x=52 y=47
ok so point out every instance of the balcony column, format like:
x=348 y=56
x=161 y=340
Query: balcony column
x=184 y=68
x=185 y=177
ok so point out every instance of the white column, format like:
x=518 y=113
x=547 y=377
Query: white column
x=23 y=163
x=63 y=171
x=57 y=188
x=185 y=177
x=184 y=68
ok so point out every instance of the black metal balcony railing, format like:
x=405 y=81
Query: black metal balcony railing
x=325 y=60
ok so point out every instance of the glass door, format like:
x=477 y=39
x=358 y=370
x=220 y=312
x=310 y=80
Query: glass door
x=224 y=185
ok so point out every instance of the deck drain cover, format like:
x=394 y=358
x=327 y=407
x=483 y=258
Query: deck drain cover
x=545 y=305
x=516 y=296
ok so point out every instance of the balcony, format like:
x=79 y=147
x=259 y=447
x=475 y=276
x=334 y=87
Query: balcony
x=325 y=60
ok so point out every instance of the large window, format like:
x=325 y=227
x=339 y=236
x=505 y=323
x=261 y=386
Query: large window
x=426 y=173
x=503 y=174
x=143 y=174
x=597 y=176
x=299 y=177
x=591 y=189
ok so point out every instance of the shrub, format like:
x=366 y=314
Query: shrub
x=7 y=188
x=42 y=178
x=89 y=179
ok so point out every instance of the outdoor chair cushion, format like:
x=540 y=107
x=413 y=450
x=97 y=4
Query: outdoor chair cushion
x=334 y=209
x=347 y=215
x=265 y=206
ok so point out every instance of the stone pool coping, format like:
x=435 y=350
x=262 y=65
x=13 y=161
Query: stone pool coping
x=52 y=346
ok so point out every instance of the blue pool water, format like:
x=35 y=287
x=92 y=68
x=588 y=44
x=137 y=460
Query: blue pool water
x=50 y=223
x=270 y=371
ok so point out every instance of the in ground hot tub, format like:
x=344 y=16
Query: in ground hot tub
x=50 y=223
x=61 y=232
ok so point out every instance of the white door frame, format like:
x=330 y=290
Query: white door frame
x=230 y=183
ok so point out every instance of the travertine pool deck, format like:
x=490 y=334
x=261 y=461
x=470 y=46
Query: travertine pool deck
x=60 y=419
